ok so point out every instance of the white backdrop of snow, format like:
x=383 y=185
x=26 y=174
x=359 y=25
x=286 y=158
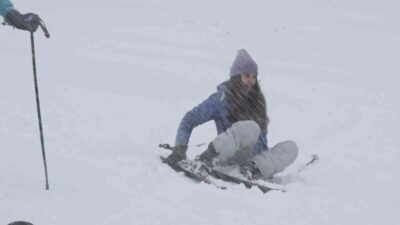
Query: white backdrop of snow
x=117 y=76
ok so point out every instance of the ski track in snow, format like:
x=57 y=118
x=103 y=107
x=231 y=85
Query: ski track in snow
x=116 y=77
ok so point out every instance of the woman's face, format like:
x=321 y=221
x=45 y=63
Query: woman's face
x=248 y=82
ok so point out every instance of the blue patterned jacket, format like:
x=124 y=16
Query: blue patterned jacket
x=213 y=108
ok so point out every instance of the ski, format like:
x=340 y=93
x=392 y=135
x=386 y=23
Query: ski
x=190 y=173
x=314 y=158
x=255 y=183
x=247 y=183
x=186 y=166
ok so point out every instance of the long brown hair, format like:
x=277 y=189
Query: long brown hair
x=246 y=107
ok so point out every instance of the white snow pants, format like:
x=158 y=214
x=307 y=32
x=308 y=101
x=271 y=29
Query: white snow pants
x=235 y=146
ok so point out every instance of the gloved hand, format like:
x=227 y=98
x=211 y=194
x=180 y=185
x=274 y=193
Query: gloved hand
x=178 y=154
x=29 y=21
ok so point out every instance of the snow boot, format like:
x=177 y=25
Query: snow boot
x=206 y=158
x=250 y=171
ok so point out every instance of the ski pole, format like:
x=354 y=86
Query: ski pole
x=169 y=147
x=38 y=109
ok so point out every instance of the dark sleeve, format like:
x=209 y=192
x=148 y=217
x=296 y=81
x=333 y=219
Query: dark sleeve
x=200 y=114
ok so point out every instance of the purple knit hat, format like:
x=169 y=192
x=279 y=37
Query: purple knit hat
x=243 y=64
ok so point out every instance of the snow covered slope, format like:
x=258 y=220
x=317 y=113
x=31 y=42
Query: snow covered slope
x=117 y=76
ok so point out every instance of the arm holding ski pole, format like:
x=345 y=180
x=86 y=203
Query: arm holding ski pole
x=29 y=21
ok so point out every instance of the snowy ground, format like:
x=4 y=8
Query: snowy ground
x=117 y=76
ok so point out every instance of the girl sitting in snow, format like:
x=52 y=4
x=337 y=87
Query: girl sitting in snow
x=239 y=111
